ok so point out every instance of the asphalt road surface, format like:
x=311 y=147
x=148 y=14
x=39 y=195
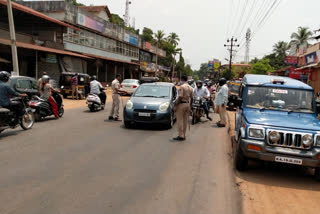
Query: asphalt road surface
x=82 y=164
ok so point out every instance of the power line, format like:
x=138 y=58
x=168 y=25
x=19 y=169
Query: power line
x=248 y=17
x=241 y=16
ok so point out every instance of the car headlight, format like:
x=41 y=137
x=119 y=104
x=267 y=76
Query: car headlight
x=274 y=137
x=164 y=107
x=318 y=141
x=256 y=133
x=307 y=140
x=129 y=105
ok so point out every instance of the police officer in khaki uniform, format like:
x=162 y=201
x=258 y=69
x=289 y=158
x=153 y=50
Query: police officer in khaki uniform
x=183 y=107
x=114 y=114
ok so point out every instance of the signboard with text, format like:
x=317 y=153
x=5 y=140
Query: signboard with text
x=291 y=60
x=90 y=23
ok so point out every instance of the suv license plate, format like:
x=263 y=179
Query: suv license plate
x=141 y=114
x=288 y=160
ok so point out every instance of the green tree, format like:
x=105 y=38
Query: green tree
x=174 y=39
x=229 y=75
x=281 y=48
x=202 y=73
x=147 y=35
x=276 y=61
x=116 y=19
x=159 y=36
x=302 y=37
x=74 y=2
x=261 y=67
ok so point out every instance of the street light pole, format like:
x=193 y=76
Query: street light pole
x=13 y=39
x=232 y=41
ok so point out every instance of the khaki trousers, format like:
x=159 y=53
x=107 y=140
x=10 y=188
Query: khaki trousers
x=183 y=112
x=223 y=115
x=74 y=91
x=115 y=106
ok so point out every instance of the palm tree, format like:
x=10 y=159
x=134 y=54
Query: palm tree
x=159 y=37
x=281 y=48
x=174 y=39
x=302 y=37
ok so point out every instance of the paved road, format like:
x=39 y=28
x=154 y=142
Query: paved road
x=82 y=164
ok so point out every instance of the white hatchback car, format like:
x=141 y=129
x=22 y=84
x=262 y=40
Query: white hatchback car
x=130 y=85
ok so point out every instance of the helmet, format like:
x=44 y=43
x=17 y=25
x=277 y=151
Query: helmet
x=222 y=81
x=190 y=82
x=4 y=76
x=199 y=83
x=209 y=83
x=45 y=78
x=94 y=77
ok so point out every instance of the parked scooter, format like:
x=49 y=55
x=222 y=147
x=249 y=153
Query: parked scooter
x=9 y=119
x=197 y=110
x=94 y=102
x=43 y=108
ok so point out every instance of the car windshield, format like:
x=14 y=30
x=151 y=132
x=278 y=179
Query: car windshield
x=234 y=88
x=282 y=99
x=129 y=81
x=152 y=91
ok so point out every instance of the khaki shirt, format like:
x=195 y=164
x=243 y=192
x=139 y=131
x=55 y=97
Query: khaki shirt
x=115 y=85
x=186 y=92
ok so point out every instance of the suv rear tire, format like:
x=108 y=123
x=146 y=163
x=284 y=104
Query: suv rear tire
x=240 y=161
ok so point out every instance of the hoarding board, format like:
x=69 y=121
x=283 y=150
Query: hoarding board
x=90 y=23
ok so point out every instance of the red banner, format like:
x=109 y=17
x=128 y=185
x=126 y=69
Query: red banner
x=291 y=60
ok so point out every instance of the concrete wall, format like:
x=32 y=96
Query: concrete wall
x=97 y=52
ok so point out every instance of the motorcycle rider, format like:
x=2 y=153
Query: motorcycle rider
x=6 y=91
x=95 y=88
x=191 y=83
x=46 y=92
x=204 y=94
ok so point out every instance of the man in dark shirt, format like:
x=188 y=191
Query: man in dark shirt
x=6 y=91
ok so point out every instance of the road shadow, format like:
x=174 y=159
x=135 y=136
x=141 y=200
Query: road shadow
x=7 y=133
x=46 y=119
x=147 y=127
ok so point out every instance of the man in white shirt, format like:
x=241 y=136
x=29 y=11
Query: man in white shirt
x=95 y=88
x=203 y=92
x=222 y=101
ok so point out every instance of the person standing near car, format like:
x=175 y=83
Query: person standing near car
x=222 y=101
x=182 y=108
x=74 y=82
x=116 y=91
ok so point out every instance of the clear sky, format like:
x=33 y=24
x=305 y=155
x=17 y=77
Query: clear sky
x=205 y=25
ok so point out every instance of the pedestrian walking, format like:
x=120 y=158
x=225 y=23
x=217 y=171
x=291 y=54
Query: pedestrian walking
x=182 y=108
x=116 y=91
x=221 y=102
x=75 y=82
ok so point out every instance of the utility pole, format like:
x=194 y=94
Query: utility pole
x=13 y=39
x=232 y=45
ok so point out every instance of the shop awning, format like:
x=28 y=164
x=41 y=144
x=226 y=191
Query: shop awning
x=4 y=60
x=36 y=13
x=111 y=59
x=308 y=66
x=41 y=48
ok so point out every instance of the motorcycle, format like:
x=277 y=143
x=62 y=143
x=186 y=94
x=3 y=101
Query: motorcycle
x=197 y=110
x=43 y=108
x=9 y=119
x=94 y=102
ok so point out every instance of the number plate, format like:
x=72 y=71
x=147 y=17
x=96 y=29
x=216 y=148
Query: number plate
x=142 y=114
x=90 y=103
x=288 y=160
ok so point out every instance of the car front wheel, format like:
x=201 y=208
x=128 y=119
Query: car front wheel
x=240 y=161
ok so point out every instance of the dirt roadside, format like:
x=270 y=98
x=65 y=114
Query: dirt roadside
x=274 y=188
x=71 y=104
